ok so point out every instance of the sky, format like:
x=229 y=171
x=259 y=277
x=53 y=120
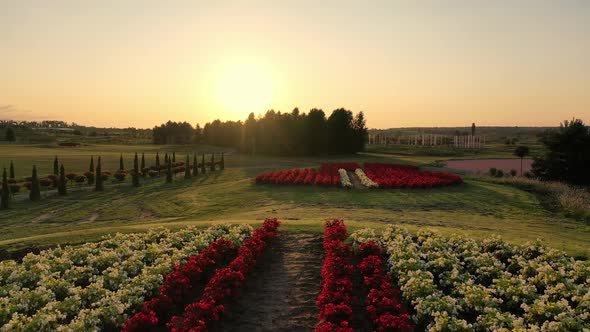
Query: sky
x=408 y=63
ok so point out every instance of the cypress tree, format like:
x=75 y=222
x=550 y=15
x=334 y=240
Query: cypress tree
x=91 y=176
x=187 y=169
x=91 y=167
x=195 y=165
x=142 y=162
x=222 y=163
x=203 y=170
x=169 y=172
x=121 y=165
x=61 y=186
x=99 y=186
x=55 y=166
x=212 y=162
x=166 y=159
x=5 y=192
x=35 y=193
x=158 y=160
x=135 y=175
x=12 y=170
x=173 y=157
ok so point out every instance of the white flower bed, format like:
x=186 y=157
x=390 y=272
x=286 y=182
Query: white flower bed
x=97 y=285
x=365 y=179
x=344 y=179
x=459 y=284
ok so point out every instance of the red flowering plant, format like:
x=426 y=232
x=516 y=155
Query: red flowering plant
x=383 y=299
x=226 y=283
x=335 y=299
x=407 y=176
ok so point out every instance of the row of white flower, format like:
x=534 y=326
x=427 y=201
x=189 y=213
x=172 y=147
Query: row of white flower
x=459 y=284
x=344 y=179
x=365 y=179
x=96 y=286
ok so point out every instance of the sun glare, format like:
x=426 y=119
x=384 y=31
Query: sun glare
x=244 y=87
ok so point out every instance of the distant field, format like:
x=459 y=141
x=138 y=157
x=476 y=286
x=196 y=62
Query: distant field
x=475 y=208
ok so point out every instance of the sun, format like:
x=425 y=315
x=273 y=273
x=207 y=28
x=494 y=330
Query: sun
x=245 y=86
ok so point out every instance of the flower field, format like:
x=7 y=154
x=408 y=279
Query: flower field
x=459 y=284
x=373 y=175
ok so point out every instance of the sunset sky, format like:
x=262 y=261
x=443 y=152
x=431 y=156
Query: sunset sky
x=404 y=63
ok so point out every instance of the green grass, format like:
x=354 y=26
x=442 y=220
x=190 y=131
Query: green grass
x=476 y=208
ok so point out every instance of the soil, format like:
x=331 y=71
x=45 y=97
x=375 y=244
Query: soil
x=484 y=165
x=280 y=294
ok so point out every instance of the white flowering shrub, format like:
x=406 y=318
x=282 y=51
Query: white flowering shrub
x=96 y=286
x=344 y=179
x=460 y=284
x=365 y=179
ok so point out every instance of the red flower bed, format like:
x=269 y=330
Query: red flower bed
x=383 y=299
x=408 y=176
x=181 y=286
x=335 y=299
x=226 y=283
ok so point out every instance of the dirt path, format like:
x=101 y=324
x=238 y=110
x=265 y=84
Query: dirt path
x=356 y=183
x=281 y=292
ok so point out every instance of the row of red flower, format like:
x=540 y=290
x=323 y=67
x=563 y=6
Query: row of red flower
x=326 y=176
x=202 y=277
x=335 y=299
x=408 y=176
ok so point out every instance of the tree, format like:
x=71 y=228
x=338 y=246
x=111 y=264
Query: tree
x=55 y=166
x=61 y=185
x=203 y=170
x=10 y=135
x=521 y=152
x=195 y=165
x=5 y=192
x=91 y=167
x=187 y=168
x=173 y=157
x=169 y=173
x=135 y=175
x=35 y=193
x=473 y=129
x=142 y=161
x=166 y=158
x=158 y=161
x=222 y=162
x=568 y=154
x=90 y=176
x=99 y=186
x=212 y=168
x=12 y=176
x=121 y=165
x=361 y=133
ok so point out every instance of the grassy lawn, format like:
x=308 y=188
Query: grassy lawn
x=475 y=208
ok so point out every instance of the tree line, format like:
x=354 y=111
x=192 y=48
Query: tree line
x=276 y=133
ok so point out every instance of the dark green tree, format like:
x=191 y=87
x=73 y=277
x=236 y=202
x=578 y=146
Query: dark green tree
x=121 y=165
x=222 y=162
x=195 y=165
x=135 y=175
x=10 y=135
x=90 y=176
x=55 y=166
x=212 y=162
x=91 y=167
x=187 y=168
x=99 y=185
x=142 y=161
x=35 y=193
x=12 y=175
x=473 y=129
x=166 y=158
x=169 y=173
x=61 y=185
x=158 y=160
x=5 y=192
x=203 y=170
x=173 y=157
x=521 y=152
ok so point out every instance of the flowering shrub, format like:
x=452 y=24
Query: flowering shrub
x=408 y=176
x=383 y=299
x=455 y=283
x=335 y=299
x=226 y=283
x=365 y=181
x=344 y=179
x=96 y=286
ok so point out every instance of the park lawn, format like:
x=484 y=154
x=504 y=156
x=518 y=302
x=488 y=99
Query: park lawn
x=475 y=208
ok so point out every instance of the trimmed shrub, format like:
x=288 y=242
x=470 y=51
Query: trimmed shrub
x=61 y=186
x=35 y=193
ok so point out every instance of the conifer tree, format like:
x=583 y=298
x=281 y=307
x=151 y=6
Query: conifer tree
x=61 y=185
x=195 y=165
x=121 y=165
x=91 y=167
x=158 y=160
x=222 y=163
x=135 y=175
x=143 y=163
x=12 y=176
x=55 y=166
x=169 y=173
x=35 y=193
x=90 y=175
x=187 y=168
x=4 y=192
x=173 y=157
x=212 y=162
x=99 y=186
x=203 y=170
